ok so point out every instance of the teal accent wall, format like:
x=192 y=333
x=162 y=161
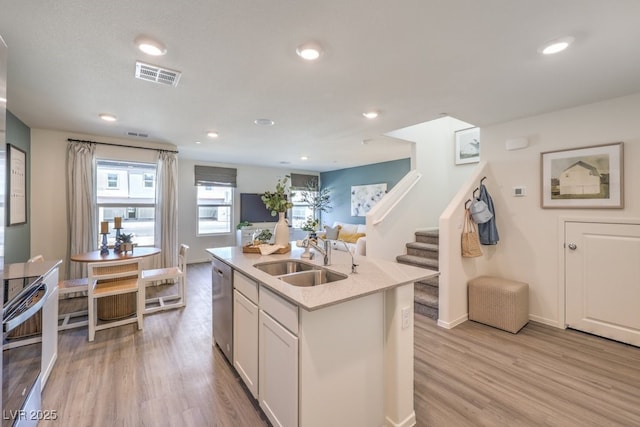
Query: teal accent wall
x=340 y=181
x=17 y=238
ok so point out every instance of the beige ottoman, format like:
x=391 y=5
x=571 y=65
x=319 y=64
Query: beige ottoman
x=499 y=302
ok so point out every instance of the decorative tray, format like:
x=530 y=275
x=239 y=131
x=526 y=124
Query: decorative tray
x=251 y=249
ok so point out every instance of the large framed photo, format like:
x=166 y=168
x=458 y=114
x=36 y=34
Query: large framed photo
x=586 y=177
x=467 y=145
x=17 y=185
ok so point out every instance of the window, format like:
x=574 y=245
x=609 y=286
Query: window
x=215 y=205
x=112 y=180
x=149 y=180
x=127 y=189
x=301 y=209
x=305 y=189
x=215 y=198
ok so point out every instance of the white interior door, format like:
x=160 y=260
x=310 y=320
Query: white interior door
x=602 y=277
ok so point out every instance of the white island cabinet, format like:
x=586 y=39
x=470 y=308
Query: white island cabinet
x=245 y=330
x=332 y=354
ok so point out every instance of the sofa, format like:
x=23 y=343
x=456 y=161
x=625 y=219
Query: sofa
x=354 y=235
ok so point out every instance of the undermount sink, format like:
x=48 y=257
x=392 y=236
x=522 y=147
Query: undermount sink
x=299 y=273
x=312 y=277
x=285 y=266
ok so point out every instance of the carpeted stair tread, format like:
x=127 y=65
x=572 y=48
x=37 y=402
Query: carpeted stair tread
x=431 y=247
x=418 y=261
x=432 y=281
x=431 y=290
x=425 y=298
x=430 y=233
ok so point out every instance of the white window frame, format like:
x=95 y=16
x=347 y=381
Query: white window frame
x=124 y=206
x=230 y=205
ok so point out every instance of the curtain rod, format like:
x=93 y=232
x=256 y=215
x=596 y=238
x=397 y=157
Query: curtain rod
x=120 y=145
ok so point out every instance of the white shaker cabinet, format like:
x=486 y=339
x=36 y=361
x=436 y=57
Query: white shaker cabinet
x=245 y=330
x=278 y=386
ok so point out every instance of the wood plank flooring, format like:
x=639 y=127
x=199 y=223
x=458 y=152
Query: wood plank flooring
x=472 y=375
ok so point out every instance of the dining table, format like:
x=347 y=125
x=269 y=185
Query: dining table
x=116 y=306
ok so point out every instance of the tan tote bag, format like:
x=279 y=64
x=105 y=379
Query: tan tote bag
x=470 y=240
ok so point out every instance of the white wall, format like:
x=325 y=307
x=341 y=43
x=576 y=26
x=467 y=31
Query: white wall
x=434 y=158
x=531 y=237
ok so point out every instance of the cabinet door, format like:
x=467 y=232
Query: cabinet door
x=278 y=385
x=245 y=341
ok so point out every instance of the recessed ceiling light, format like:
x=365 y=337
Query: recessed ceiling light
x=212 y=134
x=309 y=51
x=3 y=99
x=197 y=142
x=150 y=46
x=555 y=46
x=304 y=158
x=108 y=117
x=370 y=114
x=264 y=122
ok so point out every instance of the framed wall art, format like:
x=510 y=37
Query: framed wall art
x=364 y=197
x=467 y=145
x=586 y=177
x=17 y=185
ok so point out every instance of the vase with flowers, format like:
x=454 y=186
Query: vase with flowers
x=278 y=203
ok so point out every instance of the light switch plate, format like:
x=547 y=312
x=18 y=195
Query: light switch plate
x=406 y=317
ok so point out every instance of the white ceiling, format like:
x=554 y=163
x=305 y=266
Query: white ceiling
x=413 y=60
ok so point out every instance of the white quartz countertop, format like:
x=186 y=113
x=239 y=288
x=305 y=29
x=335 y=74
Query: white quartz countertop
x=373 y=275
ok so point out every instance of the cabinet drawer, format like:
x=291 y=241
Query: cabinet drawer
x=280 y=309
x=246 y=286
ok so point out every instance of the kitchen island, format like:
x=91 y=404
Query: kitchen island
x=339 y=353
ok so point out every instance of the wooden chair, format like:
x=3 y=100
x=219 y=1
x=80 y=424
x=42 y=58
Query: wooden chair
x=175 y=274
x=114 y=294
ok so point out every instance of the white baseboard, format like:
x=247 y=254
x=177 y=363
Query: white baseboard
x=549 y=322
x=407 y=422
x=454 y=323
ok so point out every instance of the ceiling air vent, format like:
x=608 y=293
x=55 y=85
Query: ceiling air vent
x=138 y=134
x=153 y=73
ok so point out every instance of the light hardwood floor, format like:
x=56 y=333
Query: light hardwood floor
x=472 y=375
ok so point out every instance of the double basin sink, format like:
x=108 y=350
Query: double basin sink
x=299 y=273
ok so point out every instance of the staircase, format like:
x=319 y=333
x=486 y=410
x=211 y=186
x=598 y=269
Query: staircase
x=424 y=253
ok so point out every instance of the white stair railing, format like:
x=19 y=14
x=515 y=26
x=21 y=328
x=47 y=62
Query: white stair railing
x=384 y=207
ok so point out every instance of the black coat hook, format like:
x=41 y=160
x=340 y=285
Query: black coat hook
x=474 y=193
x=482 y=180
x=466 y=204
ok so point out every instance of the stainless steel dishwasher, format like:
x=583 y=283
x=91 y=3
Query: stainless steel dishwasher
x=222 y=290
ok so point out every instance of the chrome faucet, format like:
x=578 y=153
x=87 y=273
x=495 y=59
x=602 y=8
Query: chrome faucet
x=326 y=251
x=353 y=260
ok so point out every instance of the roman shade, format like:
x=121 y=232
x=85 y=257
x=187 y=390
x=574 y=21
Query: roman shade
x=303 y=182
x=215 y=176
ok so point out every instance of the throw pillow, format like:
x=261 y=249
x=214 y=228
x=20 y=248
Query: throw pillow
x=332 y=232
x=350 y=237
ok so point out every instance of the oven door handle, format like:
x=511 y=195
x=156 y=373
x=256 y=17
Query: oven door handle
x=14 y=321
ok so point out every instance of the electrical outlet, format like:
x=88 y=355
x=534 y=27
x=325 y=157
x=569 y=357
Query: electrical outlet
x=406 y=317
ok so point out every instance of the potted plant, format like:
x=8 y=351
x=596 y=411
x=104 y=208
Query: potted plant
x=261 y=236
x=319 y=200
x=310 y=226
x=126 y=243
x=242 y=224
x=278 y=203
